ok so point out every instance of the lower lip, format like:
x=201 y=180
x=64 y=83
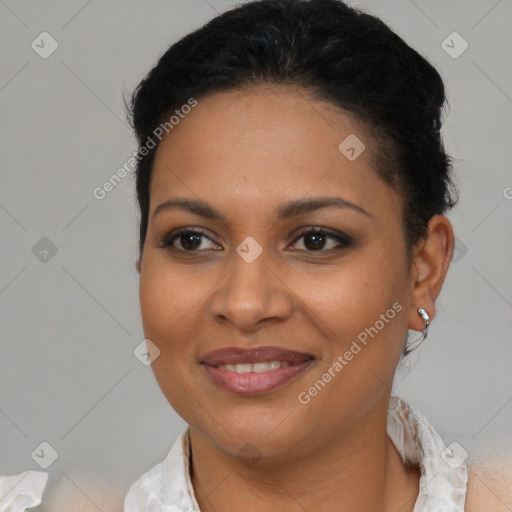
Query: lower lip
x=251 y=383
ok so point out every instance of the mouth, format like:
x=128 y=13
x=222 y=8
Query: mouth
x=254 y=371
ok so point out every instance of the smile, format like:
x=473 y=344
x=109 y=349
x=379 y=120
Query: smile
x=254 y=371
x=259 y=367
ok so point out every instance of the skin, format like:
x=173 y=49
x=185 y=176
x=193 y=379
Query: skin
x=245 y=154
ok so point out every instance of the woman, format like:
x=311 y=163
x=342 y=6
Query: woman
x=292 y=183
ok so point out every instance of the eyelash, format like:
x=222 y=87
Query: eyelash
x=344 y=241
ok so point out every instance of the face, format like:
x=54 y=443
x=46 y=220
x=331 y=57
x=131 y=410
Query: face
x=280 y=323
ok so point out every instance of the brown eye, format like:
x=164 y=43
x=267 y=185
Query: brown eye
x=189 y=240
x=318 y=240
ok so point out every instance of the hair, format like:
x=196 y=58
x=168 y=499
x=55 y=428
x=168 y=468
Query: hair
x=338 y=54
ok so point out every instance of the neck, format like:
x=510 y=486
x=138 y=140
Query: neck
x=357 y=471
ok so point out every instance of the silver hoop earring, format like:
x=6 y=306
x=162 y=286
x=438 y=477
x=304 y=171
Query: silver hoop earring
x=425 y=317
x=426 y=320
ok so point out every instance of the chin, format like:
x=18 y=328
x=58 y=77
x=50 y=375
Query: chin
x=252 y=431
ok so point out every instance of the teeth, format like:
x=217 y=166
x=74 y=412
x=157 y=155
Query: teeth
x=243 y=368
x=260 y=367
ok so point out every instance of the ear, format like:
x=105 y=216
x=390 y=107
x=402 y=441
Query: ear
x=432 y=258
x=137 y=265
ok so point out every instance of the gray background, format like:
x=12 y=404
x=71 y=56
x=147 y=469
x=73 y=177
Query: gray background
x=69 y=325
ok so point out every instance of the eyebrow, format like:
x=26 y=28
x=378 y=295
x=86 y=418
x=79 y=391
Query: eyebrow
x=285 y=211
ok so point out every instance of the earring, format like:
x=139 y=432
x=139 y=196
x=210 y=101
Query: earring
x=424 y=316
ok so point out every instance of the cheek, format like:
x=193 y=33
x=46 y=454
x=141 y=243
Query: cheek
x=162 y=303
x=359 y=308
x=168 y=301
x=360 y=312
x=157 y=298
x=348 y=298
x=168 y=294
x=172 y=301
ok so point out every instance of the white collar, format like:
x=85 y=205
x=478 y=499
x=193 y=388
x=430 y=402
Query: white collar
x=167 y=486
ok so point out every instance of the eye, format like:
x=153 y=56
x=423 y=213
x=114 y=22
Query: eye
x=316 y=239
x=189 y=239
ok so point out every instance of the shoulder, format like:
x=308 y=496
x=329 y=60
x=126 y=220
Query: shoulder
x=489 y=485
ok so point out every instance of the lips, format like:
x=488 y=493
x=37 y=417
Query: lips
x=257 y=370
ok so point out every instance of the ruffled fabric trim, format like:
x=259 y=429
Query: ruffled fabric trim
x=22 y=491
x=444 y=473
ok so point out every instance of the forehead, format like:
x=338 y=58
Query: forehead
x=271 y=144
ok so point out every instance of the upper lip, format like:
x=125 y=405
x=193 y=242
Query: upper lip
x=234 y=355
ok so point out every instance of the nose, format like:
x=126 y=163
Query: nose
x=252 y=294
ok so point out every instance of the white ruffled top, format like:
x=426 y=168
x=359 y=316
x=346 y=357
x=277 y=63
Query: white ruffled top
x=23 y=491
x=442 y=488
